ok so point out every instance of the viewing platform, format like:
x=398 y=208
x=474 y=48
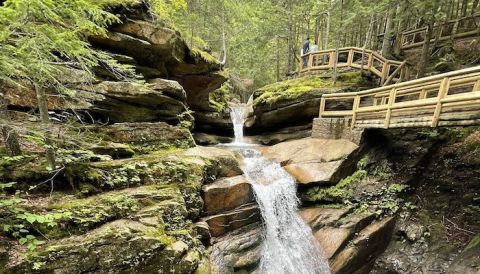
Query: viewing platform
x=389 y=71
x=449 y=99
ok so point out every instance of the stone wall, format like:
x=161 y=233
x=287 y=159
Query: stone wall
x=335 y=128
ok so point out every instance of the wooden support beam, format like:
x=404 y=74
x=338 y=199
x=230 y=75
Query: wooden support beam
x=391 y=100
x=443 y=91
x=356 y=104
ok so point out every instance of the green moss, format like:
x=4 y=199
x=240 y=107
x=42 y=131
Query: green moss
x=340 y=192
x=220 y=97
x=292 y=89
x=474 y=243
x=200 y=55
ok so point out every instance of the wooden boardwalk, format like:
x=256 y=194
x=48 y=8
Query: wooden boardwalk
x=453 y=29
x=450 y=99
x=389 y=71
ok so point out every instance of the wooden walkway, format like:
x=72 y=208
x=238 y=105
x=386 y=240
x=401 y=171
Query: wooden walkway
x=389 y=71
x=453 y=29
x=450 y=99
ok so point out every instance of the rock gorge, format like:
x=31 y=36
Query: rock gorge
x=140 y=190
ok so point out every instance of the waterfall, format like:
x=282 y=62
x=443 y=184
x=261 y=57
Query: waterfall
x=289 y=246
x=237 y=115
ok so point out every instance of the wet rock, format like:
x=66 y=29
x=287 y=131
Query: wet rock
x=282 y=135
x=365 y=248
x=237 y=251
x=228 y=221
x=313 y=161
x=223 y=163
x=317 y=217
x=226 y=194
x=205 y=139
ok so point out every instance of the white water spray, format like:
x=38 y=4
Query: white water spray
x=238 y=118
x=289 y=246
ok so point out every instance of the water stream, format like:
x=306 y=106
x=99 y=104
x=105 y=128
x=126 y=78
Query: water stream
x=289 y=246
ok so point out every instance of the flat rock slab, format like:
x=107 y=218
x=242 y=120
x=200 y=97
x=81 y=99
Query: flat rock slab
x=226 y=194
x=312 y=161
x=363 y=250
x=332 y=239
x=222 y=223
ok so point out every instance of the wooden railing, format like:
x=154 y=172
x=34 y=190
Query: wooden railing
x=458 y=28
x=389 y=71
x=450 y=99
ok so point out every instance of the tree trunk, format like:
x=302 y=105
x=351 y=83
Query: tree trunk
x=337 y=42
x=10 y=137
x=327 y=32
x=289 y=38
x=464 y=8
x=425 y=58
x=45 y=119
x=367 y=40
x=224 y=37
x=474 y=7
x=387 y=36
x=400 y=28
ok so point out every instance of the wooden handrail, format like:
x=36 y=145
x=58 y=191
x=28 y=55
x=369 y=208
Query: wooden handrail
x=375 y=63
x=411 y=38
x=450 y=94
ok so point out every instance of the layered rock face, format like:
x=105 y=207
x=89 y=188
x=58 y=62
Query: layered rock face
x=159 y=56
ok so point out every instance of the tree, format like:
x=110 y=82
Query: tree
x=42 y=38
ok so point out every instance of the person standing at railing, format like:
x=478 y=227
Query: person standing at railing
x=305 y=50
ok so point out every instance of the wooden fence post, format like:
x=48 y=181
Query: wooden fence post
x=322 y=107
x=356 y=104
x=310 y=61
x=391 y=100
x=384 y=72
x=350 y=57
x=442 y=92
x=476 y=87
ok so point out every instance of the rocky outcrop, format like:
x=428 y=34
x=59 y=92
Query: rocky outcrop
x=110 y=101
x=296 y=102
x=148 y=134
x=313 y=161
x=351 y=242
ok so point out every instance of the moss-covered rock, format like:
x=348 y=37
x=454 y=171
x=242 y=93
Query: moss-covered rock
x=296 y=102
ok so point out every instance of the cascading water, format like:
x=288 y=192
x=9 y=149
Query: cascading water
x=289 y=246
x=237 y=115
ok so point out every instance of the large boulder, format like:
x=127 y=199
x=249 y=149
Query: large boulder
x=224 y=222
x=313 y=161
x=297 y=101
x=226 y=194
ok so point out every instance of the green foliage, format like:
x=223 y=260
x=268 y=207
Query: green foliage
x=40 y=39
x=24 y=224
